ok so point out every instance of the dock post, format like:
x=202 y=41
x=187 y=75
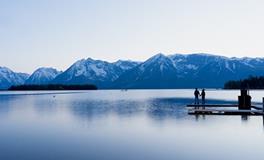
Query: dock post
x=244 y=100
x=263 y=104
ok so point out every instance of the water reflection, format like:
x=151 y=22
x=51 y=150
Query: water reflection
x=199 y=117
x=154 y=108
x=158 y=109
x=7 y=103
x=244 y=118
x=263 y=121
x=83 y=107
x=122 y=125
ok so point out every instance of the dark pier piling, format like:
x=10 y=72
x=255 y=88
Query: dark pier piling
x=244 y=100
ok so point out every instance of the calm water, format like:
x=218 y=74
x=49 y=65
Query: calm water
x=133 y=124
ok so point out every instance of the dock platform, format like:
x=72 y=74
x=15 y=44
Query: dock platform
x=212 y=105
x=224 y=112
x=222 y=109
x=218 y=105
x=242 y=107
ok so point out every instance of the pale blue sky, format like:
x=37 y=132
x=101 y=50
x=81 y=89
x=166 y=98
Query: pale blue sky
x=56 y=33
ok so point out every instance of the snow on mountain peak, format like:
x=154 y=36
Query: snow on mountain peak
x=159 y=67
x=42 y=75
x=5 y=70
x=97 y=72
x=9 y=78
x=126 y=64
x=158 y=58
x=88 y=67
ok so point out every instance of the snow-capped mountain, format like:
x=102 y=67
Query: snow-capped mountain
x=126 y=64
x=100 y=73
x=42 y=76
x=188 y=71
x=9 y=78
x=152 y=72
x=159 y=71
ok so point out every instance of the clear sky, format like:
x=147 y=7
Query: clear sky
x=56 y=33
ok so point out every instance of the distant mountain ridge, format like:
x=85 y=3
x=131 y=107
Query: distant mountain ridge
x=100 y=73
x=159 y=71
x=42 y=76
x=189 y=71
x=9 y=78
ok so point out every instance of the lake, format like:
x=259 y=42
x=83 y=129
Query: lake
x=125 y=125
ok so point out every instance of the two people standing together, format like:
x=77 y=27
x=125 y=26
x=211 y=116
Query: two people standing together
x=197 y=94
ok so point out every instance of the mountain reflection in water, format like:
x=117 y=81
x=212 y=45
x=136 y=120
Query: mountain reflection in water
x=138 y=124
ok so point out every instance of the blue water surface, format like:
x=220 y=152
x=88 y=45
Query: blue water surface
x=129 y=125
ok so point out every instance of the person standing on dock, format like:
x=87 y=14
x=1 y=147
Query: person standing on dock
x=203 y=97
x=196 y=95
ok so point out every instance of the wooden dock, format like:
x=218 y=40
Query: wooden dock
x=242 y=107
x=224 y=112
x=212 y=105
x=218 y=105
x=222 y=109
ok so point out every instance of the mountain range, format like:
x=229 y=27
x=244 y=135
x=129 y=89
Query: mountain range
x=100 y=73
x=8 y=78
x=160 y=71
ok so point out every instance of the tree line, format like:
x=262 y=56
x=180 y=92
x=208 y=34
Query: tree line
x=252 y=82
x=52 y=87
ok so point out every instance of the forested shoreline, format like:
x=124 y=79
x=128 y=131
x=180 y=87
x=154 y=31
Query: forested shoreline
x=52 y=87
x=252 y=82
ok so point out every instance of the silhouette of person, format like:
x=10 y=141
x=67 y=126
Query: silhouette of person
x=203 y=97
x=196 y=95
